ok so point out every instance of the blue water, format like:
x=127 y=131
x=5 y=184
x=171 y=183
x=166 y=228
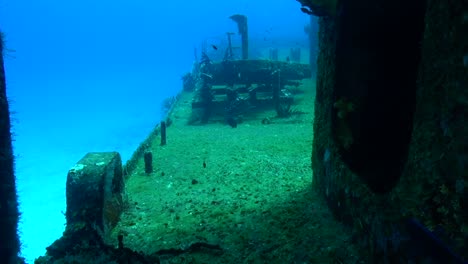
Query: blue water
x=90 y=76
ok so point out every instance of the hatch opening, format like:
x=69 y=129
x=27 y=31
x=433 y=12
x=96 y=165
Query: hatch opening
x=377 y=57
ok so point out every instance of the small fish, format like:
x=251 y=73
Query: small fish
x=315 y=10
x=204 y=164
x=306 y=11
x=214 y=47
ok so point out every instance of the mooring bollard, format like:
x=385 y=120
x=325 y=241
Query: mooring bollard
x=95 y=194
x=148 y=162
x=163 y=133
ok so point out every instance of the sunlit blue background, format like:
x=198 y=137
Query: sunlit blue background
x=90 y=75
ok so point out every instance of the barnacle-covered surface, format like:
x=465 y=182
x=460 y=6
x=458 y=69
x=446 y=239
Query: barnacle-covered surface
x=9 y=243
x=436 y=174
x=433 y=185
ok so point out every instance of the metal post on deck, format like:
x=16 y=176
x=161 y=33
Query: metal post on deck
x=163 y=133
x=241 y=21
x=148 y=157
x=230 y=55
x=276 y=91
x=274 y=54
x=295 y=54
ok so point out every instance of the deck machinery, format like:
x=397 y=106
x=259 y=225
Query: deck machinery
x=233 y=88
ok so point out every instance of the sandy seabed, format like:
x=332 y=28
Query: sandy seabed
x=246 y=191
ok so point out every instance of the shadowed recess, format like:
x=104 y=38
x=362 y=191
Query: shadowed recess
x=377 y=58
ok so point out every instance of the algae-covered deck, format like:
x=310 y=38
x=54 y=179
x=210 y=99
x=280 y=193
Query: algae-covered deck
x=233 y=195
